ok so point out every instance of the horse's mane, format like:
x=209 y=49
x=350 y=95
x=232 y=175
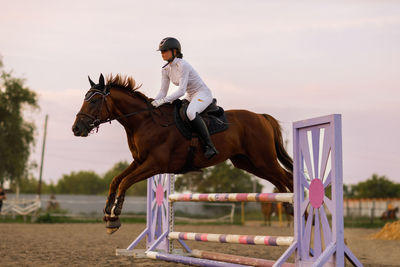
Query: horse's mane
x=126 y=83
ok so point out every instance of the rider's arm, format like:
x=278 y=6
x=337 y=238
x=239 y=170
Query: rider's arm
x=183 y=81
x=164 y=85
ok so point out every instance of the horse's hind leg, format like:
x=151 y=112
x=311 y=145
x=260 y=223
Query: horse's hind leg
x=269 y=168
x=273 y=173
x=260 y=146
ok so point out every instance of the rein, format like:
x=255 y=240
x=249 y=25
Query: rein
x=96 y=119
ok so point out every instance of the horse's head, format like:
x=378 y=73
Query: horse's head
x=94 y=109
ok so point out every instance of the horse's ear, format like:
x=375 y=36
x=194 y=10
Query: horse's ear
x=91 y=82
x=101 y=81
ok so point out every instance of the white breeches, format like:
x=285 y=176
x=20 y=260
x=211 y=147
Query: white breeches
x=198 y=104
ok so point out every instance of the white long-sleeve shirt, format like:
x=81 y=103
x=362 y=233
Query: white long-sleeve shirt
x=181 y=74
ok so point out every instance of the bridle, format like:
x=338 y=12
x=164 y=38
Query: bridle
x=96 y=121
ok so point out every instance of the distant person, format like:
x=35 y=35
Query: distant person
x=2 y=196
x=390 y=213
x=52 y=205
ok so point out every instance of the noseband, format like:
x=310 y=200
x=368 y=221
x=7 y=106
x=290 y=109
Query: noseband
x=96 y=121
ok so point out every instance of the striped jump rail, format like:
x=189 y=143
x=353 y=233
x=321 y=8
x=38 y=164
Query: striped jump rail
x=235 y=259
x=233 y=239
x=188 y=260
x=233 y=197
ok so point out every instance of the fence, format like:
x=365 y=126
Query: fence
x=373 y=208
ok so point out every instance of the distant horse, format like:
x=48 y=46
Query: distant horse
x=268 y=208
x=390 y=214
x=253 y=142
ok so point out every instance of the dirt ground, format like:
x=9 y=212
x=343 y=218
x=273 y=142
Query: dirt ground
x=89 y=245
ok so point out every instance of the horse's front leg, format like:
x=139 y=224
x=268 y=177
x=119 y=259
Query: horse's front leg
x=113 y=189
x=142 y=172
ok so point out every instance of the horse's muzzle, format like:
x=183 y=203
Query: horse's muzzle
x=80 y=128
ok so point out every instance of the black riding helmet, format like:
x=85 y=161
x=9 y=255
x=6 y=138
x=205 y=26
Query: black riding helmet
x=169 y=43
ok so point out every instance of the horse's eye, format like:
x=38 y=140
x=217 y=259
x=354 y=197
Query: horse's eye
x=93 y=101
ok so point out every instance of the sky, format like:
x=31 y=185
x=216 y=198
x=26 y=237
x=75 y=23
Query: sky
x=291 y=59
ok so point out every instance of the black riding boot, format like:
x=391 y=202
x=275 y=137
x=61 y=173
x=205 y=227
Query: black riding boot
x=201 y=129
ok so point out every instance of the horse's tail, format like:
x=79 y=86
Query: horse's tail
x=283 y=156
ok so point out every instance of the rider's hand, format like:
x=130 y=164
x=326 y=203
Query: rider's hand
x=158 y=102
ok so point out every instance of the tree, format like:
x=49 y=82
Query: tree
x=375 y=187
x=138 y=189
x=26 y=185
x=80 y=183
x=222 y=178
x=114 y=171
x=16 y=134
x=29 y=185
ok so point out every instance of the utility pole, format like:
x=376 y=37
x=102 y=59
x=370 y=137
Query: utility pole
x=42 y=158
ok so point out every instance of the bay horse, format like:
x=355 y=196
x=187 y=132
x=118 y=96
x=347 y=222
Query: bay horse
x=390 y=214
x=267 y=208
x=253 y=142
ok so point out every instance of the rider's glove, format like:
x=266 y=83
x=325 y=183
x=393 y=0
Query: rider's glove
x=158 y=102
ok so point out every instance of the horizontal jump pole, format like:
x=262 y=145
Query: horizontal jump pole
x=189 y=260
x=235 y=259
x=234 y=197
x=234 y=239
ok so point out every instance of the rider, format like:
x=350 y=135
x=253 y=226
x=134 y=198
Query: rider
x=182 y=74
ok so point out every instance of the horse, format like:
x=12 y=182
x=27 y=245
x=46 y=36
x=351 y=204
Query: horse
x=253 y=142
x=390 y=214
x=267 y=208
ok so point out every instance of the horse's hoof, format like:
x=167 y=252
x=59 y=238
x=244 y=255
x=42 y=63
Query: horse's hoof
x=113 y=225
x=110 y=231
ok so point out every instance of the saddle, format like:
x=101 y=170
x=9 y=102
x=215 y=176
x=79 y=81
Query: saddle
x=213 y=116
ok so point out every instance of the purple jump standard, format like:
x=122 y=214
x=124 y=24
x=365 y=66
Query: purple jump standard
x=318 y=219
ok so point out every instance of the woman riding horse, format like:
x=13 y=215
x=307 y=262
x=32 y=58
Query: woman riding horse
x=253 y=142
x=182 y=74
